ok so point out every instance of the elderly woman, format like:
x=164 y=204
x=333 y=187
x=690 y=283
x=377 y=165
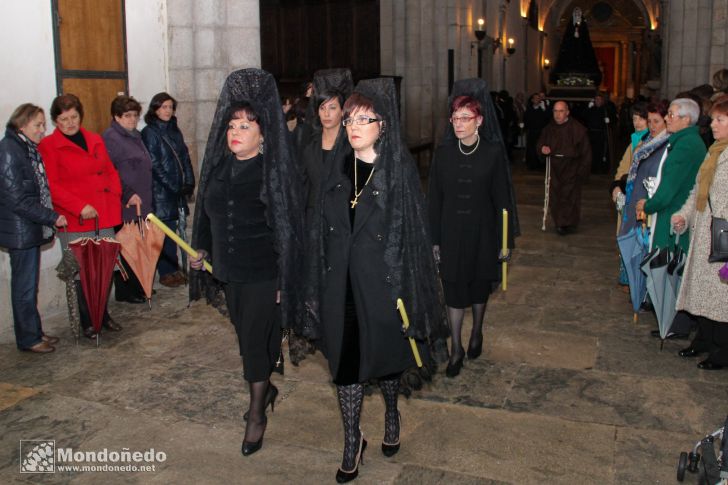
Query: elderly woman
x=369 y=246
x=26 y=221
x=469 y=188
x=172 y=178
x=84 y=184
x=676 y=172
x=131 y=159
x=702 y=293
x=248 y=219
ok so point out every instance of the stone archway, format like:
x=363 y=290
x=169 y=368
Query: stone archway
x=620 y=31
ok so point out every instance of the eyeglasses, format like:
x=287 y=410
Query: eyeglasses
x=461 y=119
x=359 y=120
x=672 y=115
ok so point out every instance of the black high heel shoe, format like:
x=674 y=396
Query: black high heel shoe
x=250 y=447
x=342 y=476
x=474 y=350
x=453 y=368
x=389 y=450
x=270 y=399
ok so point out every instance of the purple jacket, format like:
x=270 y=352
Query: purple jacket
x=132 y=161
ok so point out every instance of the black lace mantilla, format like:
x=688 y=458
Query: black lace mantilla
x=408 y=251
x=281 y=182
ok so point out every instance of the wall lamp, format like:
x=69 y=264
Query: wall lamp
x=546 y=64
x=511 y=49
x=482 y=35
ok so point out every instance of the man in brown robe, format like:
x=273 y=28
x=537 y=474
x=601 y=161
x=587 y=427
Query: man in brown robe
x=567 y=143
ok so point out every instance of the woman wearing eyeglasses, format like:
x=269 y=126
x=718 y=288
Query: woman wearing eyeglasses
x=469 y=187
x=368 y=246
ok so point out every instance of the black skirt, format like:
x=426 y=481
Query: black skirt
x=462 y=294
x=255 y=316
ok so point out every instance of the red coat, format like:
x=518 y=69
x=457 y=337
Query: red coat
x=77 y=178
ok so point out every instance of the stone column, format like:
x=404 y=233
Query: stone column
x=207 y=40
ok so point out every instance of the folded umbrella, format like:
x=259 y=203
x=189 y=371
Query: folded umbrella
x=672 y=283
x=633 y=247
x=96 y=260
x=66 y=270
x=655 y=268
x=141 y=244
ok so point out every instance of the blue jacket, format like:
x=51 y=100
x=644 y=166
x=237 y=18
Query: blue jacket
x=172 y=175
x=22 y=216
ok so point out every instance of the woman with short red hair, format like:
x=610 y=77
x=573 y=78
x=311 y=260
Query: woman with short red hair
x=469 y=188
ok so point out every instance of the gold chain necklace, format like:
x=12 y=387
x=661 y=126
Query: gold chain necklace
x=357 y=194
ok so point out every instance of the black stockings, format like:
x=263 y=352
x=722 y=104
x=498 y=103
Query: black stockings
x=256 y=413
x=390 y=392
x=350 y=400
x=455 y=317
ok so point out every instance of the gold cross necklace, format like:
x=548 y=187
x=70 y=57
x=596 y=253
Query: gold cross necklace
x=357 y=194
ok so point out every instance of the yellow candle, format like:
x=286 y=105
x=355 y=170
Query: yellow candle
x=178 y=240
x=405 y=324
x=505 y=248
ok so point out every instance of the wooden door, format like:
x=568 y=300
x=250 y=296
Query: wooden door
x=90 y=46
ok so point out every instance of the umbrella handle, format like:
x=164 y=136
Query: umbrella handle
x=139 y=219
x=96 y=224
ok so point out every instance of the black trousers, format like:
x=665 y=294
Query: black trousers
x=712 y=337
x=254 y=314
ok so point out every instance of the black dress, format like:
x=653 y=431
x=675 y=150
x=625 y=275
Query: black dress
x=466 y=197
x=234 y=230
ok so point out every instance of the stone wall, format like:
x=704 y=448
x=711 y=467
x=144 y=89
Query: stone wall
x=207 y=40
x=694 y=43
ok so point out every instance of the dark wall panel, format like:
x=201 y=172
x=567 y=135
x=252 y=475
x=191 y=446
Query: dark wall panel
x=300 y=36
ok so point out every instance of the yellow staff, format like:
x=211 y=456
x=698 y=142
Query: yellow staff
x=174 y=237
x=505 y=249
x=405 y=324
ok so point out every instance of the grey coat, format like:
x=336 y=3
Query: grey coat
x=702 y=293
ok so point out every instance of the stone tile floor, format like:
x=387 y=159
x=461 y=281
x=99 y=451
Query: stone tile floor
x=568 y=390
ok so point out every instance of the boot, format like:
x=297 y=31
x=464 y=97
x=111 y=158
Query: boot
x=127 y=291
x=86 y=326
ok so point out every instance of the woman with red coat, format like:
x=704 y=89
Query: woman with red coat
x=84 y=184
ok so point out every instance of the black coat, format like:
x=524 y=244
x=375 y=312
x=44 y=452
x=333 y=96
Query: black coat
x=22 y=216
x=172 y=176
x=357 y=251
x=466 y=198
x=232 y=225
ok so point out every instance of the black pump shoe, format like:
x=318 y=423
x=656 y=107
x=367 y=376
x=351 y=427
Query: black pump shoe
x=689 y=352
x=111 y=325
x=474 y=351
x=708 y=364
x=270 y=398
x=342 y=476
x=453 y=368
x=250 y=447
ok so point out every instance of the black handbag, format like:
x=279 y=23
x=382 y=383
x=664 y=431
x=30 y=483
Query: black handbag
x=718 y=238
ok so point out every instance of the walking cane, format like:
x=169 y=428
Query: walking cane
x=546 y=183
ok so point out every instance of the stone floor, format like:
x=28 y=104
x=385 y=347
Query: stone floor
x=569 y=390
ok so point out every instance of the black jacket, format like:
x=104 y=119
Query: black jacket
x=22 y=216
x=172 y=175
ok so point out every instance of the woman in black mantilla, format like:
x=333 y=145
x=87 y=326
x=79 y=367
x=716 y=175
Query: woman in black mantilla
x=469 y=187
x=330 y=88
x=248 y=219
x=370 y=246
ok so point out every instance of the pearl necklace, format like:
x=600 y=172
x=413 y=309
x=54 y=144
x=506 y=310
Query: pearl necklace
x=477 y=142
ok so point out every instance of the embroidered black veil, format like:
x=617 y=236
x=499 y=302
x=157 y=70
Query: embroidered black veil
x=280 y=190
x=408 y=250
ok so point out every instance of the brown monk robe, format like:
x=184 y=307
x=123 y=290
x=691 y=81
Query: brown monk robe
x=567 y=142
